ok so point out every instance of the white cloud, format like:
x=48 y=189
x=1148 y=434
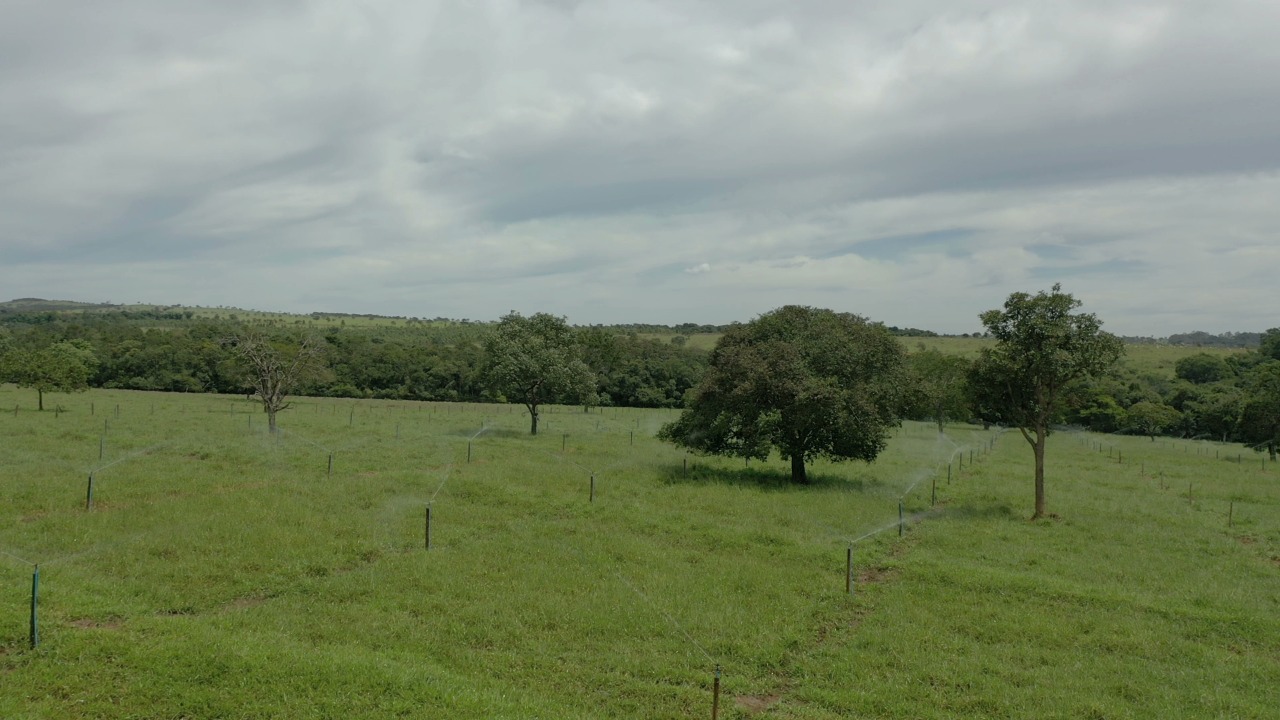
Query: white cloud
x=914 y=161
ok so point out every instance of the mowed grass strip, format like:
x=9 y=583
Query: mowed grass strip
x=226 y=573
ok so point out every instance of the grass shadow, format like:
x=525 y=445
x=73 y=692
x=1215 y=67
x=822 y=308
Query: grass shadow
x=778 y=480
x=1002 y=511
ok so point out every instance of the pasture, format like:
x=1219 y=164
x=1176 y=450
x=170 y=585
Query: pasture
x=592 y=571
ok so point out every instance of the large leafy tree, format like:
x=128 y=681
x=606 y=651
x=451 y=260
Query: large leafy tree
x=1260 y=416
x=1042 y=350
x=1150 y=418
x=65 y=366
x=809 y=382
x=536 y=360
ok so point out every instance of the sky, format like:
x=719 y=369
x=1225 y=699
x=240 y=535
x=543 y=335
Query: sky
x=663 y=161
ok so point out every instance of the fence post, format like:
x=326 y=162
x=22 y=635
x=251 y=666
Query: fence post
x=715 y=696
x=35 y=600
x=848 y=570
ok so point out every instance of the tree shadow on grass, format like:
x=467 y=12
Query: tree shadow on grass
x=1002 y=511
x=774 y=479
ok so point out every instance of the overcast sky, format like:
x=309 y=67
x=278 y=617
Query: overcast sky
x=646 y=160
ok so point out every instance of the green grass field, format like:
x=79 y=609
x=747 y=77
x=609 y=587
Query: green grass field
x=225 y=573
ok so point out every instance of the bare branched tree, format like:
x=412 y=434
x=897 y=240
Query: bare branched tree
x=275 y=370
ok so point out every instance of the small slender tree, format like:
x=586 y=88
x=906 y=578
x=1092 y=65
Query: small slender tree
x=537 y=360
x=1042 y=349
x=276 y=369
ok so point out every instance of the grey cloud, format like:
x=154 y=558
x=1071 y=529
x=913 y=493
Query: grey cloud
x=582 y=154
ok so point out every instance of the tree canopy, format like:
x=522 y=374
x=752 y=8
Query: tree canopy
x=1260 y=415
x=1041 y=349
x=537 y=360
x=809 y=382
x=938 y=386
x=65 y=366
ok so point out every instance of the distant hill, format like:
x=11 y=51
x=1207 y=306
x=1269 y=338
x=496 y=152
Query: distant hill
x=42 y=310
x=25 y=305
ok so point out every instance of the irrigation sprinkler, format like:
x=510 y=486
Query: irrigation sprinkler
x=592 y=498
x=563 y=439
x=397 y=431
x=468 y=451
x=900 y=520
x=933 y=490
x=102 y=444
x=715 y=695
x=848 y=570
x=35 y=602
x=1231 y=509
x=330 y=473
x=88 y=495
x=90 y=408
x=351 y=418
x=948 y=473
x=428 y=527
x=117 y=410
x=633 y=437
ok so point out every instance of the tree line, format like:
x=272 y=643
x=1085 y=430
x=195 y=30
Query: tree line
x=173 y=352
x=804 y=382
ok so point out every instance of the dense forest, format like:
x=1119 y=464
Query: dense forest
x=1209 y=395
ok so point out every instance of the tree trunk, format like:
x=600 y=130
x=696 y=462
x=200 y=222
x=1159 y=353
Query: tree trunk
x=798 y=474
x=1038 y=447
x=40 y=401
x=533 y=419
x=271 y=421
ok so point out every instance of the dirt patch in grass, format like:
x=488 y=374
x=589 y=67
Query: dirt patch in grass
x=752 y=704
x=245 y=603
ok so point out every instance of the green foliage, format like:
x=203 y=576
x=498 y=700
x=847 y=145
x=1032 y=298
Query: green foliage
x=809 y=382
x=1260 y=415
x=1042 y=348
x=1270 y=344
x=1202 y=368
x=537 y=360
x=1152 y=418
x=937 y=387
x=60 y=367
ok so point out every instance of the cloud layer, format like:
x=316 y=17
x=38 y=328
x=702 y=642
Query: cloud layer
x=646 y=160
